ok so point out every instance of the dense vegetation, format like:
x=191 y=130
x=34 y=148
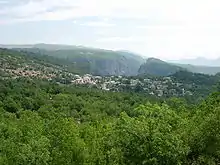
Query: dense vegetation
x=14 y=64
x=45 y=123
x=201 y=84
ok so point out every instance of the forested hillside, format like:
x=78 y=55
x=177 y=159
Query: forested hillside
x=14 y=64
x=45 y=123
x=51 y=116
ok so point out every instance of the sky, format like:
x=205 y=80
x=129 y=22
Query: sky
x=166 y=29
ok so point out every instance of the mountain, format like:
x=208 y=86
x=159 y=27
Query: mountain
x=82 y=60
x=42 y=46
x=89 y=60
x=200 y=61
x=158 y=67
x=211 y=70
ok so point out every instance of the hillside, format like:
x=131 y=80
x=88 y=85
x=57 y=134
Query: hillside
x=15 y=64
x=199 y=84
x=43 y=123
x=83 y=60
x=158 y=67
x=196 y=78
x=49 y=123
x=89 y=60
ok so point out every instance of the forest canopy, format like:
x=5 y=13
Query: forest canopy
x=49 y=124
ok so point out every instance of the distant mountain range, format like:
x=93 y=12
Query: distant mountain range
x=82 y=60
x=200 y=61
x=43 y=46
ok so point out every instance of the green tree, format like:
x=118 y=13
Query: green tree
x=152 y=137
x=23 y=140
x=66 y=146
x=10 y=105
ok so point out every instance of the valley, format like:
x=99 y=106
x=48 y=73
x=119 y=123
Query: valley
x=109 y=82
x=56 y=110
x=159 y=78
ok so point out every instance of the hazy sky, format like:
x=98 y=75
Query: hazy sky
x=168 y=29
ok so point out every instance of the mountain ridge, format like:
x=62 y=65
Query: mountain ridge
x=159 y=67
x=200 y=61
x=103 y=62
x=90 y=60
x=154 y=66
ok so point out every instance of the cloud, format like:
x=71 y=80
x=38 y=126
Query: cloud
x=121 y=39
x=175 y=28
x=3 y=2
x=186 y=12
x=38 y=10
x=98 y=24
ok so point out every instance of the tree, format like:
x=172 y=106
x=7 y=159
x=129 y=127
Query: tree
x=66 y=147
x=151 y=137
x=10 y=105
x=22 y=140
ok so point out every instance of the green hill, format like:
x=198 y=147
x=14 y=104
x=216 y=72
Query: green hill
x=158 y=67
x=196 y=78
x=43 y=123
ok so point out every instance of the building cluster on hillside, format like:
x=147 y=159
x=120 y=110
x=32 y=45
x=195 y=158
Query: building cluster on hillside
x=165 y=86
x=86 y=79
x=30 y=73
x=159 y=87
x=26 y=70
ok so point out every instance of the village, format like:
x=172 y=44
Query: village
x=157 y=86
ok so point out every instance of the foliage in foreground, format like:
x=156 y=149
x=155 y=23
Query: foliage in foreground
x=43 y=123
